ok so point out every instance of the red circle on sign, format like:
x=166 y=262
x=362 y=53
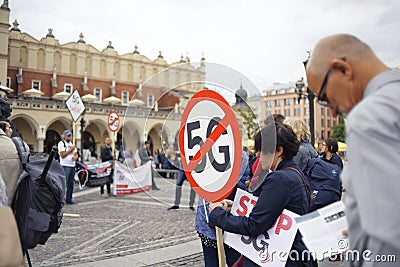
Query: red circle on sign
x=229 y=119
x=110 y=123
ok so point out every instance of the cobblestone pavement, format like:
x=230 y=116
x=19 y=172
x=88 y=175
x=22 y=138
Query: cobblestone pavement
x=118 y=226
x=100 y=228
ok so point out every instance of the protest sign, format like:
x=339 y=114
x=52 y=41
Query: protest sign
x=129 y=180
x=269 y=249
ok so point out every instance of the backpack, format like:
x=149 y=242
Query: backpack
x=38 y=199
x=57 y=155
x=324 y=180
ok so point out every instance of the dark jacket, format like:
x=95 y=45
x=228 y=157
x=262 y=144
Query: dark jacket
x=306 y=152
x=282 y=189
x=106 y=153
x=336 y=160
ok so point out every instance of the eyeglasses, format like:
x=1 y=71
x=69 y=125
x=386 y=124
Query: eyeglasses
x=322 y=98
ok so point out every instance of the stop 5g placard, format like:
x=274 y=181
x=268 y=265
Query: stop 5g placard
x=210 y=145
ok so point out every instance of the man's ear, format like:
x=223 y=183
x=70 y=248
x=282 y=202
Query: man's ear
x=343 y=66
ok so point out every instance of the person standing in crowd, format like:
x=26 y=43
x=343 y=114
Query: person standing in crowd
x=306 y=150
x=208 y=235
x=157 y=158
x=320 y=149
x=68 y=156
x=145 y=156
x=107 y=155
x=283 y=188
x=10 y=164
x=6 y=127
x=178 y=191
x=352 y=81
x=330 y=146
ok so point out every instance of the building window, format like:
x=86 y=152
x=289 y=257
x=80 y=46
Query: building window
x=125 y=97
x=287 y=101
x=277 y=102
x=306 y=111
x=322 y=134
x=307 y=101
x=322 y=112
x=68 y=88
x=329 y=134
x=98 y=94
x=307 y=121
x=269 y=103
x=287 y=112
x=297 y=112
x=36 y=84
x=328 y=112
x=322 y=122
x=150 y=100
x=277 y=111
x=8 y=82
x=334 y=123
x=329 y=123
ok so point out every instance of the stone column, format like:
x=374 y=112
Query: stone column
x=41 y=135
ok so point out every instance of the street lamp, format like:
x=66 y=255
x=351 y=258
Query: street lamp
x=300 y=91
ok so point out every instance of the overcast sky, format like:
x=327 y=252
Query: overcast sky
x=266 y=41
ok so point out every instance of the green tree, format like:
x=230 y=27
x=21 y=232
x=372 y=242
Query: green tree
x=249 y=121
x=338 y=131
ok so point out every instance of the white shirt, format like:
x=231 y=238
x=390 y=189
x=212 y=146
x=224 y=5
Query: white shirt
x=67 y=161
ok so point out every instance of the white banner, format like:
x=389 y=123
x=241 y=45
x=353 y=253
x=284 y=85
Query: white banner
x=269 y=249
x=129 y=180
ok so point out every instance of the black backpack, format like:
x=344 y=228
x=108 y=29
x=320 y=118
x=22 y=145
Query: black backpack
x=324 y=180
x=38 y=199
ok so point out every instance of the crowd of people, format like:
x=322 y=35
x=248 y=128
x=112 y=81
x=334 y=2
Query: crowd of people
x=353 y=82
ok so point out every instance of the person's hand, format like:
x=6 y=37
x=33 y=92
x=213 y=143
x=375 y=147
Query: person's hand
x=214 y=205
x=72 y=148
x=227 y=204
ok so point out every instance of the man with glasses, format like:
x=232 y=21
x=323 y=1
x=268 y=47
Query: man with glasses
x=353 y=82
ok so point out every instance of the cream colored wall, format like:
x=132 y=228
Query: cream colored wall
x=82 y=50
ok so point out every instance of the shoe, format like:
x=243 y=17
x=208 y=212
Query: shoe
x=72 y=202
x=191 y=208
x=173 y=208
x=156 y=188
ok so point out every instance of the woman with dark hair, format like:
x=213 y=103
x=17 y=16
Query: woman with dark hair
x=330 y=146
x=283 y=188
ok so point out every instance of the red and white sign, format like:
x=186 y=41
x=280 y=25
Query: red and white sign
x=113 y=121
x=75 y=105
x=129 y=180
x=210 y=145
x=271 y=249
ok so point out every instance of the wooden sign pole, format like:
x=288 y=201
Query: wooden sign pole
x=220 y=246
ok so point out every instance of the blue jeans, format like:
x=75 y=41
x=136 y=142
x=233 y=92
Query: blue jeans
x=70 y=176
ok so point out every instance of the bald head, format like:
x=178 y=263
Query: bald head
x=335 y=47
x=339 y=70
